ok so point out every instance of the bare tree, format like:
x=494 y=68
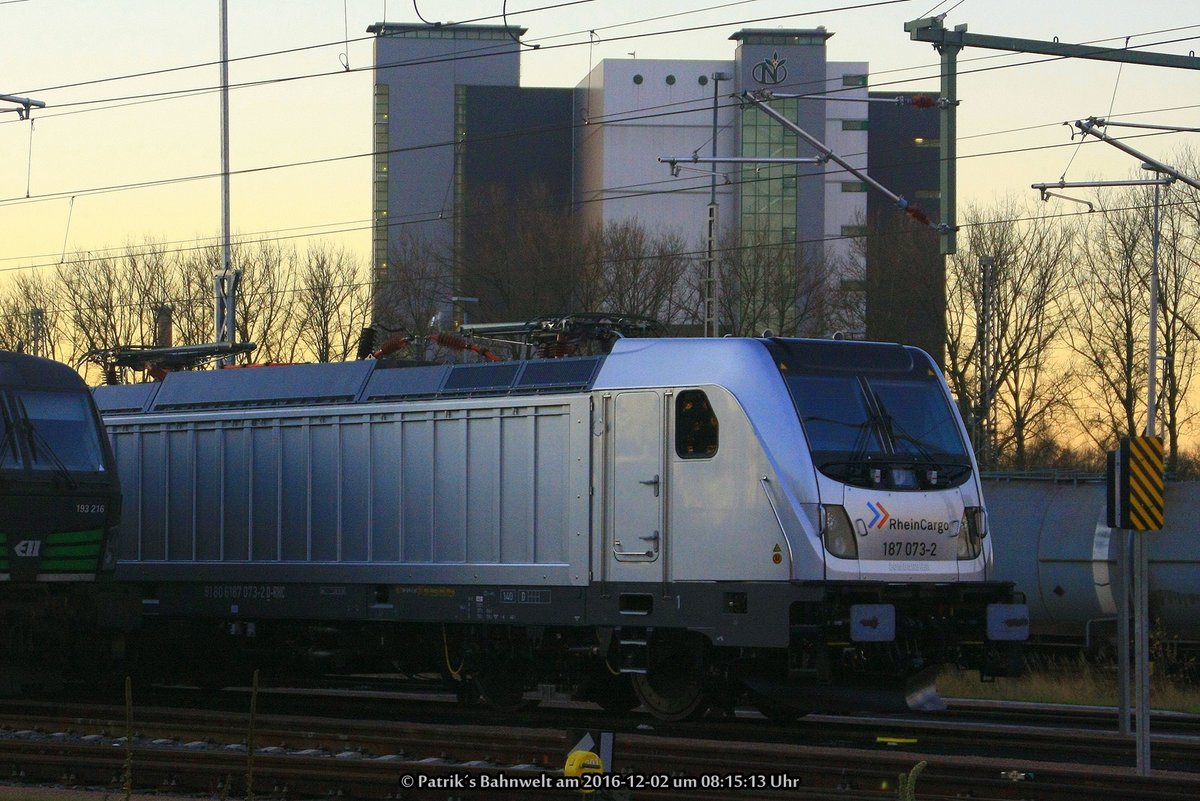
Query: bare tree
x=416 y=283
x=520 y=256
x=1179 y=307
x=151 y=283
x=1111 y=319
x=268 y=313
x=96 y=305
x=846 y=315
x=185 y=282
x=766 y=286
x=1178 y=311
x=333 y=303
x=905 y=283
x=192 y=306
x=631 y=271
x=1113 y=334
x=28 y=302
x=1010 y=384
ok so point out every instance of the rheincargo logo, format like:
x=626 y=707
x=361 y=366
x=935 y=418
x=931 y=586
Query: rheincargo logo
x=881 y=515
x=937 y=526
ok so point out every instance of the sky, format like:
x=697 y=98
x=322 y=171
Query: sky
x=118 y=156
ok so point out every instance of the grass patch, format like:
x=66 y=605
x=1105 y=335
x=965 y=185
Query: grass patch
x=1069 y=681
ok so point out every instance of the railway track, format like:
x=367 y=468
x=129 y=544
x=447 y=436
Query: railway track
x=310 y=757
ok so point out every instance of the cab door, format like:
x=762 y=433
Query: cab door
x=637 y=487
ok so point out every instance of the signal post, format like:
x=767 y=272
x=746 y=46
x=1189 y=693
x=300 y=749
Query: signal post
x=1136 y=504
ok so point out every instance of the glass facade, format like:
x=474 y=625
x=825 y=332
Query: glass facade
x=768 y=191
x=379 y=242
x=459 y=184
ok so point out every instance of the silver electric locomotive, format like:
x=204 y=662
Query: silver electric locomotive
x=677 y=523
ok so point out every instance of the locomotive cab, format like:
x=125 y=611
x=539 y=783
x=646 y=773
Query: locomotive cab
x=59 y=506
x=895 y=476
x=59 y=495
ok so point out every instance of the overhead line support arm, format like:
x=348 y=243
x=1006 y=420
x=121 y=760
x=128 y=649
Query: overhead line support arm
x=949 y=42
x=761 y=98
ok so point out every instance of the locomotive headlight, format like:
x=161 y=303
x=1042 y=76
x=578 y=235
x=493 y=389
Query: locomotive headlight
x=972 y=532
x=837 y=533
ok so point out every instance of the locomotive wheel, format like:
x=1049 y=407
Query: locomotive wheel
x=612 y=692
x=673 y=687
x=501 y=685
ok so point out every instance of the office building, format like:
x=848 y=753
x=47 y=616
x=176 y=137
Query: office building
x=458 y=138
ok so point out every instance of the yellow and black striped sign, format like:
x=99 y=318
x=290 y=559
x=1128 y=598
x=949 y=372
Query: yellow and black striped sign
x=1145 y=470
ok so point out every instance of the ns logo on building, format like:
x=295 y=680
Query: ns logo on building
x=770 y=71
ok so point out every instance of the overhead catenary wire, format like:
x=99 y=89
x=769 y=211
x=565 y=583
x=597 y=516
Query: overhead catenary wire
x=271 y=53
x=787 y=85
x=252 y=294
x=1181 y=28
x=488 y=51
x=149 y=183
x=615 y=117
x=416 y=219
x=432 y=215
x=72 y=193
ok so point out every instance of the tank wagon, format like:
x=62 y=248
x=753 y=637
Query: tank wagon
x=675 y=523
x=1052 y=540
x=59 y=504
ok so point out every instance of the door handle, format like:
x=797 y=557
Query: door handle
x=654 y=482
x=648 y=554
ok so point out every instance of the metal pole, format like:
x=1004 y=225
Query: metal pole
x=226 y=259
x=988 y=267
x=1141 y=578
x=1152 y=379
x=1141 y=605
x=1125 y=575
x=712 y=193
x=948 y=147
x=712 y=280
x=226 y=280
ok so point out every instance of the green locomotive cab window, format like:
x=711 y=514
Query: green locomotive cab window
x=61 y=432
x=696 y=427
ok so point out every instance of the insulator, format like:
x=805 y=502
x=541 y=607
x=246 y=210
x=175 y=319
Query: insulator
x=450 y=341
x=391 y=345
x=918 y=215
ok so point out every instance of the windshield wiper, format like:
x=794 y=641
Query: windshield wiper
x=34 y=439
x=897 y=433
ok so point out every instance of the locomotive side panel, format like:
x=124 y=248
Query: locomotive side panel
x=467 y=492
x=726 y=528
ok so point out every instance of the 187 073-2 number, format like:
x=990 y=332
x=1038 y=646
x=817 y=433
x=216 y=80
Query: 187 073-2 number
x=926 y=550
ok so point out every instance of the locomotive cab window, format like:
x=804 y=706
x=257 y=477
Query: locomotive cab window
x=696 y=427
x=51 y=431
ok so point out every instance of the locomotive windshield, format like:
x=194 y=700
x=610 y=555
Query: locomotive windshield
x=49 y=431
x=875 y=422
